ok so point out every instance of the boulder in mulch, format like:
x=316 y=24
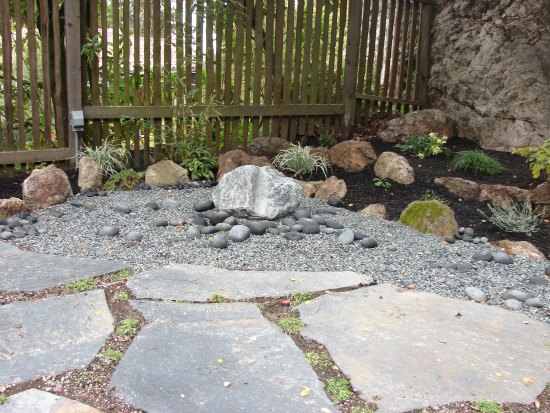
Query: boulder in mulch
x=502 y=194
x=236 y=158
x=309 y=188
x=352 y=156
x=520 y=248
x=331 y=187
x=431 y=217
x=420 y=122
x=90 y=175
x=165 y=173
x=257 y=192
x=12 y=206
x=375 y=210
x=395 y=167
x=462 y=188
x=268 y=146
x=322 y=150
x=45 y=187
x=540 y=196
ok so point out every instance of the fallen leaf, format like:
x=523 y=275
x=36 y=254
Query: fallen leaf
x=305 y=391
x=292 y=279
x=442 y=341
x=498 y=373
x=458 y=314
x=220 y=361
x=537 y=404
x=527 y=380
x=226 y=383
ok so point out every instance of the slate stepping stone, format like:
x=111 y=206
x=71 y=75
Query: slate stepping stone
x=476 y=294
x=204 y=205
x=38 y=401
x=437 y=357
x=52 y=335
x=109 y=231
x=198 y=283
x=239 y=233
x=191 y=350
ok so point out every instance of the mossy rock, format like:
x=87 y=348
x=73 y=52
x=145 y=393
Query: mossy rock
x=430 y=217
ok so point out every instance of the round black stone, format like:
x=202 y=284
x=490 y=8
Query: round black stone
x=293 y=236
x=203 y=205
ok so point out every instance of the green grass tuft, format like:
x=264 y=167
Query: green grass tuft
x=110 y=354
x=515 y=218
x=300 y=161
x=338 y=389
x=81 y=285
x=298 y=297
x=488 y=407
x=318 y=360
x=218 y=298
x=108 y=156
x=122 y=275
x=127 y=326
x=291 y=325
x=123 y=295
x=3 y=399
x=477 y=162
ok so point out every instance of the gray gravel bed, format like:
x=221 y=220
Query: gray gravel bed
x=403 y=256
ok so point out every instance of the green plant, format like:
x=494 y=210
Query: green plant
x=125 y=179
x=199 y=161
x=423 y=146
x=318 y=360
x=127 y=326
x=382 y=183
x=109 y=157
x=477 y=162
x=299 y=297
x=110 y=354
x=122 y=275
x=218 y=298
x=291 y=324
x=123 y=295
x=488 y=407
x=327 y=140
x=430 y=195
x=515 y=217
x=338 y=389
x=81 y=285
x=3 y=399
x=92 y=48
x=538 y=158
x=300 y=161
x=361 y=409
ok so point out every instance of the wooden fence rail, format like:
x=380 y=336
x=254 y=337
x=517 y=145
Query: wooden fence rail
x=150 y=74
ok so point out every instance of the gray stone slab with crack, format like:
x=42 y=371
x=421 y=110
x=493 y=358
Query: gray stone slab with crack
x=406 y=350
x=172 y=365
x=52 y=335
x=198 y=283
x=30 y=271
x=38 y=401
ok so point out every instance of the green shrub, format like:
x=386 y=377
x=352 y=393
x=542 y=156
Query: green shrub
x=423 y=146
x=327 y=140
x=515 y=217
x=300 y=161
x=195 y=157
x=477 y=162
x=291 y=324
x=109 y=157
x=338 y=389
x=126 y=179
x=538 y=158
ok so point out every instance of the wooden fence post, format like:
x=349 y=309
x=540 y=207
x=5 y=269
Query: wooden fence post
x=422 y=68
x=349 y=91
x=74 y=75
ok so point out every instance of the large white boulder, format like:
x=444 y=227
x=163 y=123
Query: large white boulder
x=257 y=192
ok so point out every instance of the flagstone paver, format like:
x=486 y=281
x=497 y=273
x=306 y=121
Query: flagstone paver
x=38 y=401
x=180 y=361
x=52 y=335
x=30 y=271
x=405 y=350
x=198 y=283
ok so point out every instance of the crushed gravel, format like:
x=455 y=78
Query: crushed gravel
x=403 y=257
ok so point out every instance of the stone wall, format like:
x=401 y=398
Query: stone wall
x=491 y=70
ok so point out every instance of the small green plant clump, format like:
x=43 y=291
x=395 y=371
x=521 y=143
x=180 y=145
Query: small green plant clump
x=327 y=140
x=298 y=297
x=318 y=360
x=3 y=399
x=81 y=285
x=122 y=275
x=291 y=325
x=126 y=179
x=488 y=407
x=127 y=326
x=430 y=195
x=109 y=157
x=112 y=355
x=218 y=298
x=300 y=161
x=538 y=158
x=423 y=146
x=382 y=183
x=518 y=218
x=338 y=389
x=477 y=162
x=195 y=157
x=361 y=409
x=123 y=295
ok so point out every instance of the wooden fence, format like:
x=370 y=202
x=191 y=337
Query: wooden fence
x=153 y=73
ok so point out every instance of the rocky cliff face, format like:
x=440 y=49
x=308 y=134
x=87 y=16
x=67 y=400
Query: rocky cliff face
x=491 y=70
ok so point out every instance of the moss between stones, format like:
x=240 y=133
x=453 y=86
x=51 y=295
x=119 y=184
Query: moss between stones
x=432 y=217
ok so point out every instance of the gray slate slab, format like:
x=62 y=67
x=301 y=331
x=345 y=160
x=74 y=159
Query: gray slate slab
x=29 y=271
x=198 y=283
x=51 y=335
x=172 y=364
x=38 y=401
x=406 y=350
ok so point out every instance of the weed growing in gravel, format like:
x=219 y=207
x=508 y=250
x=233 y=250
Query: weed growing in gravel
x=298 y=297
x=81 y=285
x=318 y=360
x=300 y=161
x=110 y=354
x=516 y=218
x=488 y=407
x=218 y=298
x=358 y=409
x=108 y=156
x=3 y=399
x=477 y=162
x=291 y=325
x=338 y=389
x=123 y=295
x=126 y=179
x=127 y=326
x=122 y=275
